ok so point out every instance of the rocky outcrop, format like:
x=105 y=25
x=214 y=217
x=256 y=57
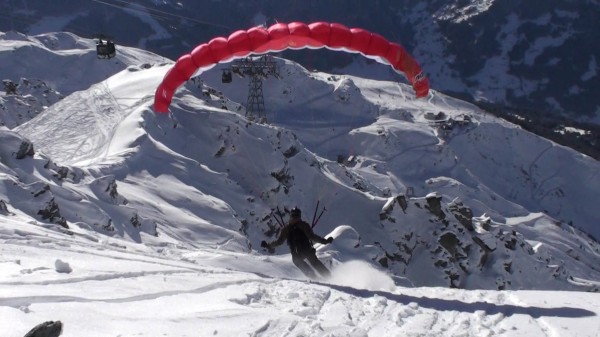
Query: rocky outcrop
x=46 y=329
x=25 y=100
x=3 y=208
x=10 y=87
x=463 y=214
x=434 y=205
x=444 y=241
x=51 y=213
x=105 y=188
x=14 y=146
x=388 y=208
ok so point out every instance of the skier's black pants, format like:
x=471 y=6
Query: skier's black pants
x=309 y=255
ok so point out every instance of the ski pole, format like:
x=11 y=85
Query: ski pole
x=281 y=216
x=277 y=220
x=315 y=214
x=324 y=209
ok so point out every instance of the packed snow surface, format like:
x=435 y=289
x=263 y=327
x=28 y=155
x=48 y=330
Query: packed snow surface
x=117 y=288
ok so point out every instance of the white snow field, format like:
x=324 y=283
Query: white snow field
x=118 y=288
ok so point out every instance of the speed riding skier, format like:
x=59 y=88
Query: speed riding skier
x=299 y=236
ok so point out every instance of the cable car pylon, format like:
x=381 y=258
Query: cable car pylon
x=257 y=68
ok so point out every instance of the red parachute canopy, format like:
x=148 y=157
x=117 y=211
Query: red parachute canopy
x=295 y=35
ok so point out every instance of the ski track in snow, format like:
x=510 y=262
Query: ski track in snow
x=96 y=112
x=275 y=304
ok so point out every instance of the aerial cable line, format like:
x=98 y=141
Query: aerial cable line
x=163 y=14
x=167 y=13
x=12 y=10
x=30 y=19
x=33 y=19
x=124 y=6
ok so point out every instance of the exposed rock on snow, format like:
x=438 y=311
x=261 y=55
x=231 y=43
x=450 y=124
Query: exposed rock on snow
x=46 y=329
x=3 y=208
x=62 y=267
x=430 y=242
x=51 y=213
x=25 y=100
x=14 y=146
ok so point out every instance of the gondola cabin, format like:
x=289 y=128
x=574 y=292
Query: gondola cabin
x=226 y=77
x=105 y=48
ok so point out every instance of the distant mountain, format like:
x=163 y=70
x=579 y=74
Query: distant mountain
x=531 y=55
x=435 y=191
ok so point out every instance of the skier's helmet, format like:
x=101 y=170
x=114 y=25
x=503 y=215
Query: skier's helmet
x=296 y=213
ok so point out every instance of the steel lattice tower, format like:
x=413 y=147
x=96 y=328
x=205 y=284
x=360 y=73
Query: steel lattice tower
x=255 y=104
x=257 y=69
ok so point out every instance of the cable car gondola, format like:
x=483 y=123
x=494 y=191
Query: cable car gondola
x=105 y=48
x=226 y=77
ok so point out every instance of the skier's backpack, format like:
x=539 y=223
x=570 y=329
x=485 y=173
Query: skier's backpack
x=297 y=240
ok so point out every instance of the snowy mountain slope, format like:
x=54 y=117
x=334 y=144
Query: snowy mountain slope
x=204 y=176
x=107 y=286
x=68 y=62
x=24 y=100
x=529 y=54
x=64 y=64
x=395 y=134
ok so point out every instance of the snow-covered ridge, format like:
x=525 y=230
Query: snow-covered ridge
x=511 y=53
x=67 y=62
x=463 y=12
x=204 y=175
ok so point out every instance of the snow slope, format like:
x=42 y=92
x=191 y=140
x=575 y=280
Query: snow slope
x=67 y=61
x=109 y=148
x=110 y=287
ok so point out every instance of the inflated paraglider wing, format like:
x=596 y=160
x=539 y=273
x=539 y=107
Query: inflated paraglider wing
x=281 y=36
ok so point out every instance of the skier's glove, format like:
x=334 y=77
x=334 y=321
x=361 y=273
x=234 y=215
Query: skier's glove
x=329 y=239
